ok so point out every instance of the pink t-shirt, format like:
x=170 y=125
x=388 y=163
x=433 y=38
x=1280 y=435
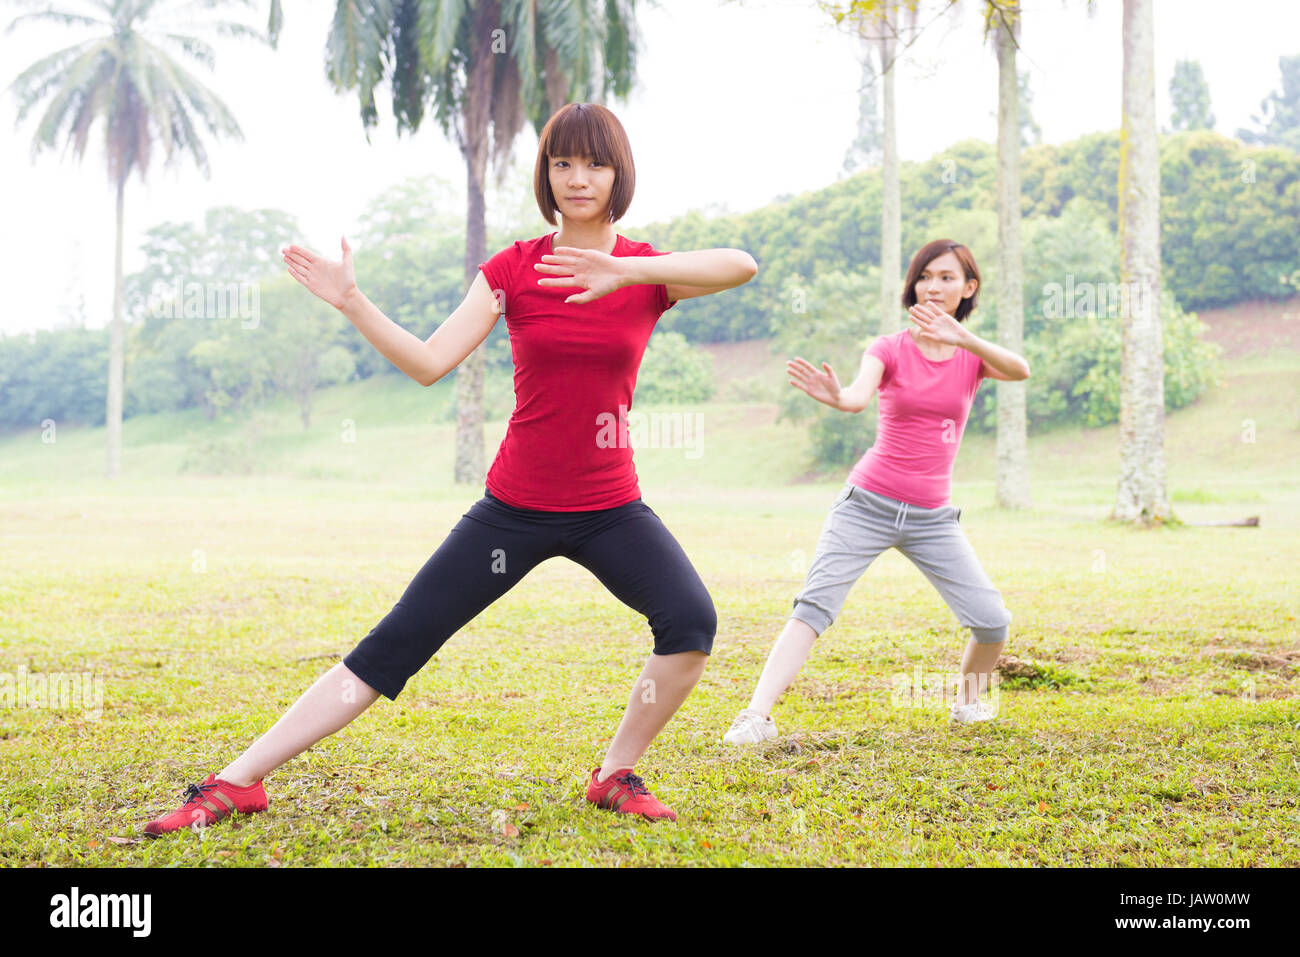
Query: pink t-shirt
x=923 y=408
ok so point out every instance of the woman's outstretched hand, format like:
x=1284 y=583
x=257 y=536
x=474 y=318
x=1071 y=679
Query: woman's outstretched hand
x=822 y=386
x=596 y=272
x=330 y=279
x=937 y=325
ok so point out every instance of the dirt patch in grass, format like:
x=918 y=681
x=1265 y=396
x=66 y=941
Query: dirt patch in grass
x=1259 y=327
x=1285 y=663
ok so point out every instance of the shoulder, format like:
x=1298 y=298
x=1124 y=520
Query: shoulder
x=886 y=345
x=520 y=249
x=502 y=265
x=630 y=247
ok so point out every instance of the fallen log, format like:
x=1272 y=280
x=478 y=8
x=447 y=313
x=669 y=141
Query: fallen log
x=1252 y=522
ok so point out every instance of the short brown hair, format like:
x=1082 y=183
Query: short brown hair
x=928 y=254
x=585 y=129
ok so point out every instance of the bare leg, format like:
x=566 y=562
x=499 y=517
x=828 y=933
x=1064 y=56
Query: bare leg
x=337 y=697
x=783 y=663
x=978 y=662
x=660 y=690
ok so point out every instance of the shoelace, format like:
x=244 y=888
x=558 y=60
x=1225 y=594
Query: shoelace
x=195 y=793
x=633 y=783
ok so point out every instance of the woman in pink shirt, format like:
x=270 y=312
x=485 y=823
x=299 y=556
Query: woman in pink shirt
x=898 y=494
x=562 y=484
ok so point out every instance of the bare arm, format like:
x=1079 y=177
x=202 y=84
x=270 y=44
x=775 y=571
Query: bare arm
x=685 y=275
x=424 y=361
x=998 y=363
x=691 y=274
x=427 y=361
x=825 y=386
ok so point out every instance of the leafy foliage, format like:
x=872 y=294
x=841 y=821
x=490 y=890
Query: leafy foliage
x=674 y=371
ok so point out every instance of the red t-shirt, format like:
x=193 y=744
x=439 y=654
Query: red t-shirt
x=566 y=448
x=923 y=406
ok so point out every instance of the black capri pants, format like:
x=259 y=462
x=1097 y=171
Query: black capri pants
x=494 y=545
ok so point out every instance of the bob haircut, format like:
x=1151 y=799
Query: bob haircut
x=585 y=129
x=928 y=254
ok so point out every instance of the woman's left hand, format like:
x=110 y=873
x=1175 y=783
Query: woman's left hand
x=594 y=271
x=937 y=324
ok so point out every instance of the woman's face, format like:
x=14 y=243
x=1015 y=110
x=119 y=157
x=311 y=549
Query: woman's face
x=944 y=283
x=582 y=187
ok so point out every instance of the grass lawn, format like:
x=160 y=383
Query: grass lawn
x=1163 y=732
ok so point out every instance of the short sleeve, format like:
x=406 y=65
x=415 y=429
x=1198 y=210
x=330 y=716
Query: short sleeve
x=883 y=349
x=499 y=270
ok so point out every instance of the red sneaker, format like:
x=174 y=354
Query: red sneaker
x=625 y=793
x=208 y=803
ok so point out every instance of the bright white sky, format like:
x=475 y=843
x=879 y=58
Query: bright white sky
x=736 y=104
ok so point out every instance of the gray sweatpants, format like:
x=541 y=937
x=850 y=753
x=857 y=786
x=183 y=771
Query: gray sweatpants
x=862 y=524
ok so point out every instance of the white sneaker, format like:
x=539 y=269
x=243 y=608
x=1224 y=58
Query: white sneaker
x=750 y=727
x=970 y=713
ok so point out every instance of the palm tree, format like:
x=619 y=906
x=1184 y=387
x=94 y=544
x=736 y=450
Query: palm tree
x=125 y=76
x=484 y=68
x=1002 y=18
x=1142 y=495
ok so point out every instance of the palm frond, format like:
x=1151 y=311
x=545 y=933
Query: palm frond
x=77 y=85
x=196 y=48
x=32 y=85
x=67 y=18
x=356 y=50
x=441 y=23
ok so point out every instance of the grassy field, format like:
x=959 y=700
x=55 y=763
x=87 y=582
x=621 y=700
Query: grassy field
x=1162 y=730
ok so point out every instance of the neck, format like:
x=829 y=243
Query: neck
x=922 y=340
x=592 y=235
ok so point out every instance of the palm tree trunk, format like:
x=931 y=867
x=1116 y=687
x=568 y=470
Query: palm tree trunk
x=556 y=84
x=890 y=208
x=1142 y=496
x=476 y=116
x=116 y=361
x=1012 y=451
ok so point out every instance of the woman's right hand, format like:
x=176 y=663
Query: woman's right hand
x=822 y=386
x=330 y=279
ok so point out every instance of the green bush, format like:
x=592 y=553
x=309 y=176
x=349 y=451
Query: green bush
x=674 y=371
x=831 y=320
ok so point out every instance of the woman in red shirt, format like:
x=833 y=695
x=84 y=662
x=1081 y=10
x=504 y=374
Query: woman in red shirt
x=562 y=483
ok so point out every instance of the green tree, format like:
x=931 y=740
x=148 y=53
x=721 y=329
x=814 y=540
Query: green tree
x=126 y=77
x=1278 y=121
x=1031 y=134
x=1002 y=20
x=674 y=371
x=1142 y=495
x=1190 y=95
x=889 y=26
x=864 y=151
x=825 y=321
x=484 y=69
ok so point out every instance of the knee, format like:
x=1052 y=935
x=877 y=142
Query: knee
x=692 y=628
x=989 y=636
x=814 y=616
